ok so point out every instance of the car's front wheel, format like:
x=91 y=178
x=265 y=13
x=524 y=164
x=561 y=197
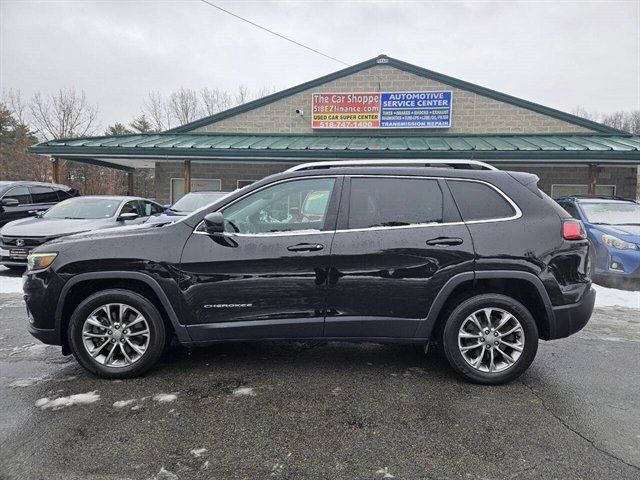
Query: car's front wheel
x=490 y=339
x=117 y=334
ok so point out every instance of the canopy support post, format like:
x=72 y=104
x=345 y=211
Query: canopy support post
x=130 y=183
x=593 y=179
x=187 y=176
x=55 y=170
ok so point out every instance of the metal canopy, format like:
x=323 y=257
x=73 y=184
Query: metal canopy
x=144 y=150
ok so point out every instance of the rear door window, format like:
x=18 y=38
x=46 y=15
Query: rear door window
x=478 y=201
x=43 y=194
x=151 y=208
x=19 y=193
x=394 y=202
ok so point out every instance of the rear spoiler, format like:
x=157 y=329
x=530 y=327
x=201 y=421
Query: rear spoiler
x=528 y=180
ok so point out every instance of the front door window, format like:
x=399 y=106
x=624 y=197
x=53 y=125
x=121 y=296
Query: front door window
x=298 y=205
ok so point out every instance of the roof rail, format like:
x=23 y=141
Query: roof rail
x=600 y=197
x=381 y=163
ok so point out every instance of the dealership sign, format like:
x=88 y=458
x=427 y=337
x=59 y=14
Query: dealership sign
x=381 y=110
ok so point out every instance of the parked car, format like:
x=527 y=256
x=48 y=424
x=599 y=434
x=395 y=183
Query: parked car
x=189 y=203
x=75 y=215
x=475 y=259
x=25 y=199
x=613 y=230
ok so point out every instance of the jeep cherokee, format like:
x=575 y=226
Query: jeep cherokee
x=475 y=259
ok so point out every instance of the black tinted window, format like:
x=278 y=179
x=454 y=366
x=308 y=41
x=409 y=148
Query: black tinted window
x=478 y=201
x=43 y=195
x=571 y=210
x=62 y=195
x=19 y=193
x=389 y=202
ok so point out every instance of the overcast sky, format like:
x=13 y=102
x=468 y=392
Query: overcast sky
x=561 y=54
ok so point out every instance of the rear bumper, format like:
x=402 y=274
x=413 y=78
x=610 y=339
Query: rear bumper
x=569 y=319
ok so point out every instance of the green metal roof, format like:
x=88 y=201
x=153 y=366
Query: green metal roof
x=410 y=68
x=601 y=149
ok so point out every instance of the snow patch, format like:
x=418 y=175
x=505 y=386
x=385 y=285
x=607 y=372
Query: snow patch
x=385 y=473
x=30 y=349
x=197 y=452
x=24 y=382
x=62 y=402
x=164 y=474
x=9 y=284
x=611 y=297
x=165 y=397
x=244 y=391
x=123 y=403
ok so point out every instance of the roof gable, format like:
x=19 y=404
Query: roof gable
x=406 y=67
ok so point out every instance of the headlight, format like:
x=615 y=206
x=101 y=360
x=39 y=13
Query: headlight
x=616 y=242
x=40 y=261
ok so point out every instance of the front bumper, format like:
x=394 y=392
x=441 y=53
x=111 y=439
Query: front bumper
x=50 y=337
x=619 y=263
x=569 y=319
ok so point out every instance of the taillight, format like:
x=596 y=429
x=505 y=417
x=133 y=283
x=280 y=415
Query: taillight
x=573 y=230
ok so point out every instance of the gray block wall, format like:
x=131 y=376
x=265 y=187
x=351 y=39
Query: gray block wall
x=471 y=113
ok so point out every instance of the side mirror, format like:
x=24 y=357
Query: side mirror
x=214 y=223
x=166 y=207
x=127 y=216
x=10 y=202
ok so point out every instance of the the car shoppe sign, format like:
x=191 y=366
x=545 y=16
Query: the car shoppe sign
x=381 y=110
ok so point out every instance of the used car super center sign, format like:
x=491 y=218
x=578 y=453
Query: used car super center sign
x=381 y=110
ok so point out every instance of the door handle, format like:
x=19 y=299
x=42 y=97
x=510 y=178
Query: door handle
x=305 y=247
x=445 y=241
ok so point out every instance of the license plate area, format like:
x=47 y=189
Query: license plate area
x=18 y=253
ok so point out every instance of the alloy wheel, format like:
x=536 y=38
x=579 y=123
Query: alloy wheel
x=116 y=335
x=491 y=340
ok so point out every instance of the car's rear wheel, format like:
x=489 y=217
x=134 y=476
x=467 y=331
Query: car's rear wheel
x=490 y=339
x=117 y=334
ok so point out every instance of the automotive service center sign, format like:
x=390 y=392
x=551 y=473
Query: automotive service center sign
x=381 y=110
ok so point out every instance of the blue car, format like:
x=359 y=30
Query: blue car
x=613 y=231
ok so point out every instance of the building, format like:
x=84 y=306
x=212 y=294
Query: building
x=382 y=108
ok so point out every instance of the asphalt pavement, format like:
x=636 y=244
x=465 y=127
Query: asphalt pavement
x=325 y=411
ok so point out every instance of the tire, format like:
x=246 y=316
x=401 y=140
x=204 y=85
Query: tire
x=506 y=366
x=148 y=347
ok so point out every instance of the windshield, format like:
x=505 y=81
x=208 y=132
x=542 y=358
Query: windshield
x=610 y=213
x=195 y=200
x=84 y=208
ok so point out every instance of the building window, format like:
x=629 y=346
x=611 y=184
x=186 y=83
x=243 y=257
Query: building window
x=197 y=185
x=567 y=190
x=244 y=183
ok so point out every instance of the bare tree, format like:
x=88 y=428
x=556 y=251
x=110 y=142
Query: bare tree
x=155 y=107
x=64 y=114
x=184 y=105
x=215 y=100
x=242 y=95
x=265 y=91
x=14 y=102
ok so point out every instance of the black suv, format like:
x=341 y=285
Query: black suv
x=475 y=259
x=23 y=199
